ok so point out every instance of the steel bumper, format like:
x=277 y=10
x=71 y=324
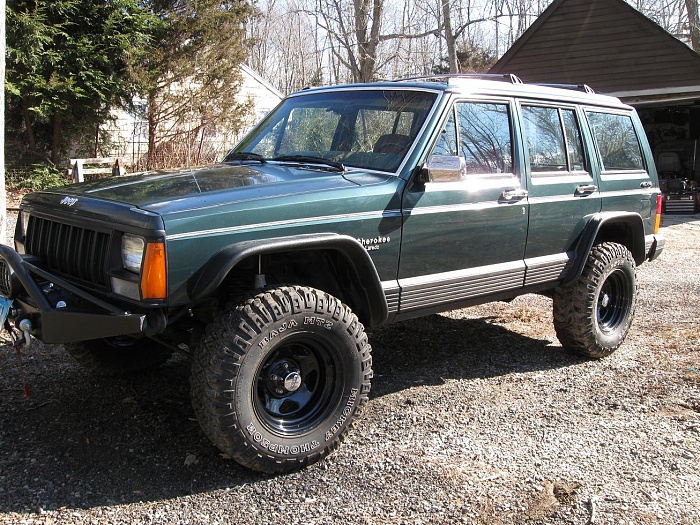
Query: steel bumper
x=94 y=319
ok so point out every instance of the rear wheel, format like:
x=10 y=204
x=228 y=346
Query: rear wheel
x=593 y=315
x=121 y=355
x=278 y=380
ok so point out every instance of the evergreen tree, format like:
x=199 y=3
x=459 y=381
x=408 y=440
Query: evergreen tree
x=190 y=74
x=68 y=63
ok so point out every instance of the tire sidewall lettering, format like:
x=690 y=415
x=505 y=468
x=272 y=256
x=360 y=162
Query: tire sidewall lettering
x=318 y=319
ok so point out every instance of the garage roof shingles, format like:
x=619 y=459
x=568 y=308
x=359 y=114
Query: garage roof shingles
x=605 y=43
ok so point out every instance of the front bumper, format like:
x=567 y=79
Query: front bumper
x=34 y=292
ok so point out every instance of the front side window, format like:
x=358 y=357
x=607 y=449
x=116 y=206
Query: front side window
x=447 y=143
x=485 y=137
x=617 y=141
x=372 y=128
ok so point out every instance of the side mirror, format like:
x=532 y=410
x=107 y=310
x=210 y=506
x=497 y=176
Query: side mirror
x=445 y=168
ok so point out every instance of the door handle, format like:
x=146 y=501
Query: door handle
x=513 y=195
x=585 y=189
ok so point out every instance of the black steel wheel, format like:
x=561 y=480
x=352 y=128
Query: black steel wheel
x=115 y=356
x=296 y=385
x=593 y=315
x=278 y=380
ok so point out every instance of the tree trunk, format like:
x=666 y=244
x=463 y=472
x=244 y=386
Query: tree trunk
x=450 y=38
x=152 y=126
x=31 y=138
x=367 y=38
x=57 y=138
x=691 y=7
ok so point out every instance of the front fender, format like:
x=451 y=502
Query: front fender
x=206 y=281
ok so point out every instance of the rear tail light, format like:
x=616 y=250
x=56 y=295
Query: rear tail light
x=659 y=205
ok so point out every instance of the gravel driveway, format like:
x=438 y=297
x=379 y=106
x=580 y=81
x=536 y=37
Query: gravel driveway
x=476 y=416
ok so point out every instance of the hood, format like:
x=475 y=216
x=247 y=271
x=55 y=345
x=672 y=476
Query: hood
x=163 y=192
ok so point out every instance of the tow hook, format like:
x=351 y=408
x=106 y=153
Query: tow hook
x=25 y=326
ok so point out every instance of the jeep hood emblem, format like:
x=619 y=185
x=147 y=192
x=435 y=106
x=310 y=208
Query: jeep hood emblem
x=68 y=201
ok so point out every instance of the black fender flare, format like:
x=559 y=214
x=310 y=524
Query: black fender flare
x=589 y=235
x=205 y=281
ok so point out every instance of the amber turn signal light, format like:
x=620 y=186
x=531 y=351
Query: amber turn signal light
x=154 y=283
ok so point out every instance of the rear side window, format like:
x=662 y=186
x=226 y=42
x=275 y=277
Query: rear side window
x=553 y=139
x=545 y=139
x=617 y=141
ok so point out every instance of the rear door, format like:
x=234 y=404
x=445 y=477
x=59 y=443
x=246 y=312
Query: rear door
x=562 y=187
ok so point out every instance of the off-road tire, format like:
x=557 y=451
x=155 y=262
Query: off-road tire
x=116 y=356
x=593 y=314
x=279 y=379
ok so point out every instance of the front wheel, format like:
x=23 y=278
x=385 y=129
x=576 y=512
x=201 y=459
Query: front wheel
x=278 y=380
x=593 y=315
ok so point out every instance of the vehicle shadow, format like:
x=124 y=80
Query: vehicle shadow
x=429 y=350
x=82 y=441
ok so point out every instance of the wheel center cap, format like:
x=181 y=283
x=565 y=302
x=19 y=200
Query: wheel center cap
x=292 y=382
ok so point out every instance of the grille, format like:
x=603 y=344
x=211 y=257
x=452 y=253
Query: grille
x=73 y=251
x=5 y=280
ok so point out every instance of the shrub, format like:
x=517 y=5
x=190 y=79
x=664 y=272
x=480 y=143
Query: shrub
x=37 y=177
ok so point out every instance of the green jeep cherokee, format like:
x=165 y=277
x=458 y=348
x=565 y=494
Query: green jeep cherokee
x=347 y=206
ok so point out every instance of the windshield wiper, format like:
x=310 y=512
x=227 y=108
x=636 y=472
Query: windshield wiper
x=244 y=155
x=308 y=159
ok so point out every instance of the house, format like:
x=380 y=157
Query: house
x=127 y=134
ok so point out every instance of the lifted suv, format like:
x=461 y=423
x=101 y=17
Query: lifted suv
x=347 y=206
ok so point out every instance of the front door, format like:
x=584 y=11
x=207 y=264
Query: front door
x=466 y=238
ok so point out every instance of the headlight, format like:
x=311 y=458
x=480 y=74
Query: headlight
x=132 y=252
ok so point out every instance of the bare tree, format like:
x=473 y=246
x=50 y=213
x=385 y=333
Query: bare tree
x=305 y=42
x=691 y=7
x=286 y=47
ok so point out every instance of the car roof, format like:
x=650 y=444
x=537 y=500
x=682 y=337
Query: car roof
x=485 y=84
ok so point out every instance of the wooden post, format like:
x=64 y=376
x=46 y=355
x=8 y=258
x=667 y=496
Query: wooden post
x=78 y=175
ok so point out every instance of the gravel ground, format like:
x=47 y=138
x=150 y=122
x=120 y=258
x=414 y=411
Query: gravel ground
x=476 y=416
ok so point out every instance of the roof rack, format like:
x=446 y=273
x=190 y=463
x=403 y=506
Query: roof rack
x=576 y=87
x=507 y=77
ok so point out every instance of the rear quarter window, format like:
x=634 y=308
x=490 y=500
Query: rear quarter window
x=617 y=141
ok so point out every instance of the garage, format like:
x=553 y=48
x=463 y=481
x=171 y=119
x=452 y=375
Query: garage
x=616 y=50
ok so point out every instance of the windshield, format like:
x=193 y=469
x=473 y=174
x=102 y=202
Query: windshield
x=371 y=129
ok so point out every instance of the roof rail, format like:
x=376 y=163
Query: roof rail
x=576 y=87
x=506 y=77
